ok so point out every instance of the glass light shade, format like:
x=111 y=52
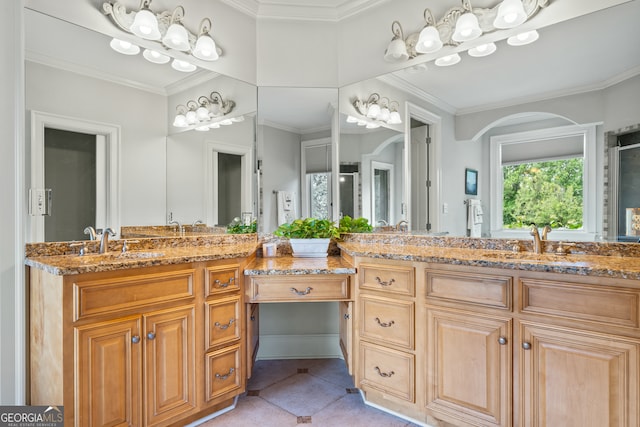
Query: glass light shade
x=214 y=125
x=237 y=119
x=372 y=125
x=192 y=119
x=180 y=121
x=226 y=122
x=373 y=111
x=145 y=25
x=205 y=48
x=523 y=38
x=183 y=66
x=396 y=51
x=429 y=40
x=384 y=114
x=124 y=47
x=202 y=113
x=177 y=38
x=214 y=108
x=351 y=119
x=467 y=28
x=510 y=14
x=362 y=122
x=202 y=128
x=482 y=50
x=155 y=57
x=445 y=61
x=394 y=118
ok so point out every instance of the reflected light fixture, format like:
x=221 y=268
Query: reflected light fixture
x=184 y=66
x=448 y=60
x=460 y=25
x=124 y=47
x=206 y=112
x=165 y=28
x=376 y=111
x=523 y=38
x=155 y=56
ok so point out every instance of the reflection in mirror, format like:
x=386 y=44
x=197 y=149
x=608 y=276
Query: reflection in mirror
x=295 y=153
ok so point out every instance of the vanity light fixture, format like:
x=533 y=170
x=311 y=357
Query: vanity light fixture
x=155 y=56
x=448 y=60
x=166 y=28
x=124 y=47
x=203 y=111
x=459 y=26
x=523 y=38
x=375 y=111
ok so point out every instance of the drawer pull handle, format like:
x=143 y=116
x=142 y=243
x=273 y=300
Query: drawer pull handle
x=225 y=376
x=383 y=283
x=219 y=284
x=305 y=292
x=151 y=335
x=223 y=327
x=383 y=324
x=384 y=374
x=526 y=345
x=135 y=339
x=502 y=341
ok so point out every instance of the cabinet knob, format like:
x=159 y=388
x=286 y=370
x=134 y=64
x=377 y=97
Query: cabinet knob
x=135 y=339
x=151 y=335
x=383 y=283
x=253 y=318
x=347 y=316
x=502 y=341
x=526 y=345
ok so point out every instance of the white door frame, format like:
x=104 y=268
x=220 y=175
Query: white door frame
x=377 y=165
x=107 y=166
x=212 y=149
x=304 y=196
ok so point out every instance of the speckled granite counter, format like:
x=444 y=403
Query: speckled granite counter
x=288 y=265
x=61 y=258
x=582 y=264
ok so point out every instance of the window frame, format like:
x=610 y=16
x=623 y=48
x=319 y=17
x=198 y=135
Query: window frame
x=496 y=142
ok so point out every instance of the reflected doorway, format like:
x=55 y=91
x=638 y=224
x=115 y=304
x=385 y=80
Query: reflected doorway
x=229 y=187
x=628 y=183
x=382 y=180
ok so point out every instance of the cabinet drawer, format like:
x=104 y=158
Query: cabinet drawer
x=321 y=287
x=100 y=296
x=470 y=288
x=387 y=321
x=389 y=371
x=223 y=372
x=579 y=301
x=221 y=279
x=223 y=321
x=387 y=278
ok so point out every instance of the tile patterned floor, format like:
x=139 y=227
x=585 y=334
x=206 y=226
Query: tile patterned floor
x=319 y=392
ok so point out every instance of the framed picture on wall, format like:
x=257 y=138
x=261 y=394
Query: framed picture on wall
x=471 y=182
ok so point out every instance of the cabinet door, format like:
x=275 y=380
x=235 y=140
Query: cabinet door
x=574 y=378
x=108 y=373
x=469 y=366
x=346 y=337
x=169 y=364
x=253 y=335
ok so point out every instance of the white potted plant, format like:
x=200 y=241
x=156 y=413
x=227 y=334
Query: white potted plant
x=309 y=237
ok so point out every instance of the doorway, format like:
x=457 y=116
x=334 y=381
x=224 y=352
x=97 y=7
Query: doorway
x=229 y=187
x=79 y=161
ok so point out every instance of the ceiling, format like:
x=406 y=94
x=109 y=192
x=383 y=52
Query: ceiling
x=585 y=53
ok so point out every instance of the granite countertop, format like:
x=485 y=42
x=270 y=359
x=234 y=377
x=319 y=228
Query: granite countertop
x=288 y=265
x=626 y=267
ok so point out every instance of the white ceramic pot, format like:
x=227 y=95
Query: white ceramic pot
x=309 y=248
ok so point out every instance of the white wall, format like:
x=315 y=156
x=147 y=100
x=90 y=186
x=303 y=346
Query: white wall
x=141 y=117
x=12 y=287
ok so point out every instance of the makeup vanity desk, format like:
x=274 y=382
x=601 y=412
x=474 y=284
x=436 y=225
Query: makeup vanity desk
x=289 y=279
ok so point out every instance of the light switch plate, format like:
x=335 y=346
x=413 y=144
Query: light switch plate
x=39 y=201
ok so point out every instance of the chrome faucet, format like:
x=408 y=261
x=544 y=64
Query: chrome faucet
x=91 y=232
x=537 y=242
x=545 y=232
x=104 y=239
x=382 y=222
x=402 y=225
x=197 y=222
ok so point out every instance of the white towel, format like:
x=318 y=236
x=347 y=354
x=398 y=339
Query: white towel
x=474 y=217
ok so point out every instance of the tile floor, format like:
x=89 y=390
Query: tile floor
x=320 y=392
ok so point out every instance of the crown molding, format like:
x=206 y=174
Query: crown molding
x=49 y=61
x=299 y=10
x=292 y=129
x=400 y=83
x=193 y=79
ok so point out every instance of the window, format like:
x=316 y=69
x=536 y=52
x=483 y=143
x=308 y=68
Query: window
x=546 y=177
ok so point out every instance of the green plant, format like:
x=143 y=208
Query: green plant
x=237 y=227
x=354 y=225
x=308 y=228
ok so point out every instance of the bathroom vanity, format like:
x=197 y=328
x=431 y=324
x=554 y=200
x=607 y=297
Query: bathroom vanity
x=438 y=330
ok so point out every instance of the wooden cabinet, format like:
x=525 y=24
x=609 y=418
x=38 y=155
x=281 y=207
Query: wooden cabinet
x=576 y=378
x=154 y=346
x=385 y=333
x=346 y=334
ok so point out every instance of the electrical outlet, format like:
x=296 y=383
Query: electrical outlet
x=39 y=201
x=445 y=208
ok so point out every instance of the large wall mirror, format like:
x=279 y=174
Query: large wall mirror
x=139 y=170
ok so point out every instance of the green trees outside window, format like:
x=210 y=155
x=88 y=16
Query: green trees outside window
x=544 y=193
